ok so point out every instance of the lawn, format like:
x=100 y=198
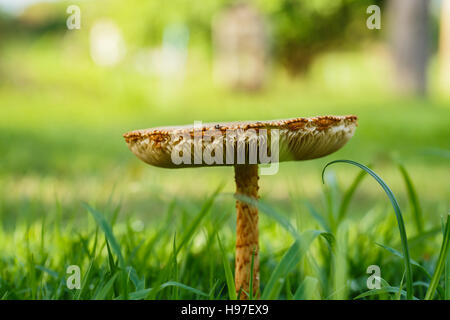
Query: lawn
x=73 y=194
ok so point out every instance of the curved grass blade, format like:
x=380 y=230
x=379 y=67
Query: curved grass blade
x=137 y=295
x=317 y=216
x=400 y=255
x=373 y=292
x=413 y=199
x=143 y=293
x=440 y=263
x=282 y=221
x=418 y=239
x=269 y=211
x=399 y=216
x=228 y=274
x=50 y=272
x=183 y=286
x=444 y=153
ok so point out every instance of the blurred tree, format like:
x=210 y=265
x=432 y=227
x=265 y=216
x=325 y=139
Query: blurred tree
x=42 y=17
x=240 y=47
x=409 y=38
x=444 y=46
x=304 y=29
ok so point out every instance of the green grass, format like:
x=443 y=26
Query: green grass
x=119 y=262
x=71 y=193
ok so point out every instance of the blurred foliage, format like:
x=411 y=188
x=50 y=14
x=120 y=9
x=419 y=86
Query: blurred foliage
x=304 y=29
x=300 y=30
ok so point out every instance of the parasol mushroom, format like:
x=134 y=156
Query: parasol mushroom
x=243 y=145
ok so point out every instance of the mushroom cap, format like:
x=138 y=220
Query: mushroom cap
x=297 y=138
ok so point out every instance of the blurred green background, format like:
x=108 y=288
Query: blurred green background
x=67 y=96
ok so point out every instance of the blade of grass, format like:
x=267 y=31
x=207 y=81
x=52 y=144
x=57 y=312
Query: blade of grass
x=398 y=295
x=340 y=263
x=84 y=285
x=418 y=239
x=52 y=273
x=211 y=295
x=372 y=292
x=447 y=278
x=143 y=293
x=289 y=260
x=175 y=266
x=400 y=255
x=183 y=286
x=307 y=290
x=111 y=262
x=399 y=216
x=413 y=199
x=440 y=262
x=105 y=226
x=251 y=276
x=138 y=283
x=282 y=221
x=137 y=295
x=438 y=152
x=348 y=196
x=330 y=196
x=317 y=216
x=104 y=292
x=269 y=211
x=228 y=274
x=190 y=230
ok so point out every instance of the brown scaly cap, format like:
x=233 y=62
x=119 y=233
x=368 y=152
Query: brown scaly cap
x=299 y=139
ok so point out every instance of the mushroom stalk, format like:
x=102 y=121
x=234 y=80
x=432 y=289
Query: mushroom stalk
x=246 y=176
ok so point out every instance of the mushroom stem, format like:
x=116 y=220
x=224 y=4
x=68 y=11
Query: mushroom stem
x=246 y=176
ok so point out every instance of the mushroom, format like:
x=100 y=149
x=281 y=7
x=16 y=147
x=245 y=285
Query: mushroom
x=243 y=145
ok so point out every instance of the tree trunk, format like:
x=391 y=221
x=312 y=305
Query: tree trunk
x=409 y=33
